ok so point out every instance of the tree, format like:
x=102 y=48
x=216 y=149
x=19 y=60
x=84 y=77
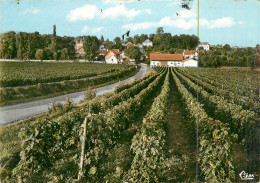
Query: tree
x=130 y=39
x=136 y=39
x=143 y=37
x=39 y=54
x=108 y=44
x=91 y=46
x=117 y=43
x=64 y=54
x=151 y=37
x=22 y=45
x=227 y=47
x=134 y=53
x=102 y=40
x=159 y=30
x=8 y=45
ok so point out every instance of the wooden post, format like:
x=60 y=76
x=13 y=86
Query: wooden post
x=84 y=125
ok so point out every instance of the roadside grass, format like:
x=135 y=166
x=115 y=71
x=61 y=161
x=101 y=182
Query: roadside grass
x=52 y=91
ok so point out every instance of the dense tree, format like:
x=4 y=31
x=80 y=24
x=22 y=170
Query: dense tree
x=8 y=45
x=22 y=45
x=108 y=44
x=64 y=54
x=39 y=54
x=117 y=43
x=102 y=40
x=130 y=39
x=159 y=30
x=136 y=39
x=143 y=37
x=227 y=47
x=134 y=53
x=91 y=46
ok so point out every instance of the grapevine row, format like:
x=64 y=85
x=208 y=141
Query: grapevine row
x=240 y=120
x=215 y=140
x=246 y=102
x=148 y=143
x=52 y=138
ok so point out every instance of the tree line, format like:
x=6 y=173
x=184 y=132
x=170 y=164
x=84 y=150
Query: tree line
x=219 y=56
x=25 y=46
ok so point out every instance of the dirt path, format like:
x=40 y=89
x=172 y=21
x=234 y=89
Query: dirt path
x=12 y=113
x=180 y=140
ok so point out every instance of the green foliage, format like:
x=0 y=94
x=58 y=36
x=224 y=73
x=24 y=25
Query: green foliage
x=91 y=45
x=24 y=45
x=134 y=53
x=39 y=54
x=149 y=162
x=215 y=138
x=8 y=45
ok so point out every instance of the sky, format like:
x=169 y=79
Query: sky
x=234 y=22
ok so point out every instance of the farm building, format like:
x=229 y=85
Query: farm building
x=205 y=46
x=189 y=62
x=190 y=54
x=171 y=60
x=114 y=56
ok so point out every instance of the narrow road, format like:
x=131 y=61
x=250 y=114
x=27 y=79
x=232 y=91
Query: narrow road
x=13 y=113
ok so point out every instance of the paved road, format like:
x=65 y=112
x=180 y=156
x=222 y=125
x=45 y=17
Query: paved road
x=13 y=113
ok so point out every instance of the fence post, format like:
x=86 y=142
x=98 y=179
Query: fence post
x=84 y=125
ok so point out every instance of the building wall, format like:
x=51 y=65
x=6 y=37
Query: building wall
x=190 y=63
x=79 y=49
x=166 y=64
x=111 y=60
x=175 y=64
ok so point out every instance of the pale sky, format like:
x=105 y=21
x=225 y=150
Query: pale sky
x=235 y=22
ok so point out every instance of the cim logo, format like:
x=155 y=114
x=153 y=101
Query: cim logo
x=246 y=176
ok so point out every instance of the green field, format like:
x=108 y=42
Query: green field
x=145 y=131
x=27 y=81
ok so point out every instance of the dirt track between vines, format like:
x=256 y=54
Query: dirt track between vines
x=180 y=138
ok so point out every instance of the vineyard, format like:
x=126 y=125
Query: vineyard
x=22 y=81
x=129 y=135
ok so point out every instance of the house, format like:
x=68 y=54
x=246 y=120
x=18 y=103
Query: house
x=166 y=60
x=205 y=46
x=147 y=43
x=114 y=56
x=171 y=60
x=102 y=48
x=79 y=47
x=190 y=54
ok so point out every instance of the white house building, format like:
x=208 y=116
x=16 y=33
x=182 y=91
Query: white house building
x=114 y=56
x=205 y=46
x=190 y=54
x=171 y=60
x=147 y=43
x=166 y=60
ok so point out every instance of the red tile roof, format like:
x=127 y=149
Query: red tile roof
x=116 y=51
x=102 y=52
x=166 y=57
x=189 y=52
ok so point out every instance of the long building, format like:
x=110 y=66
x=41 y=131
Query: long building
x=171 y=60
